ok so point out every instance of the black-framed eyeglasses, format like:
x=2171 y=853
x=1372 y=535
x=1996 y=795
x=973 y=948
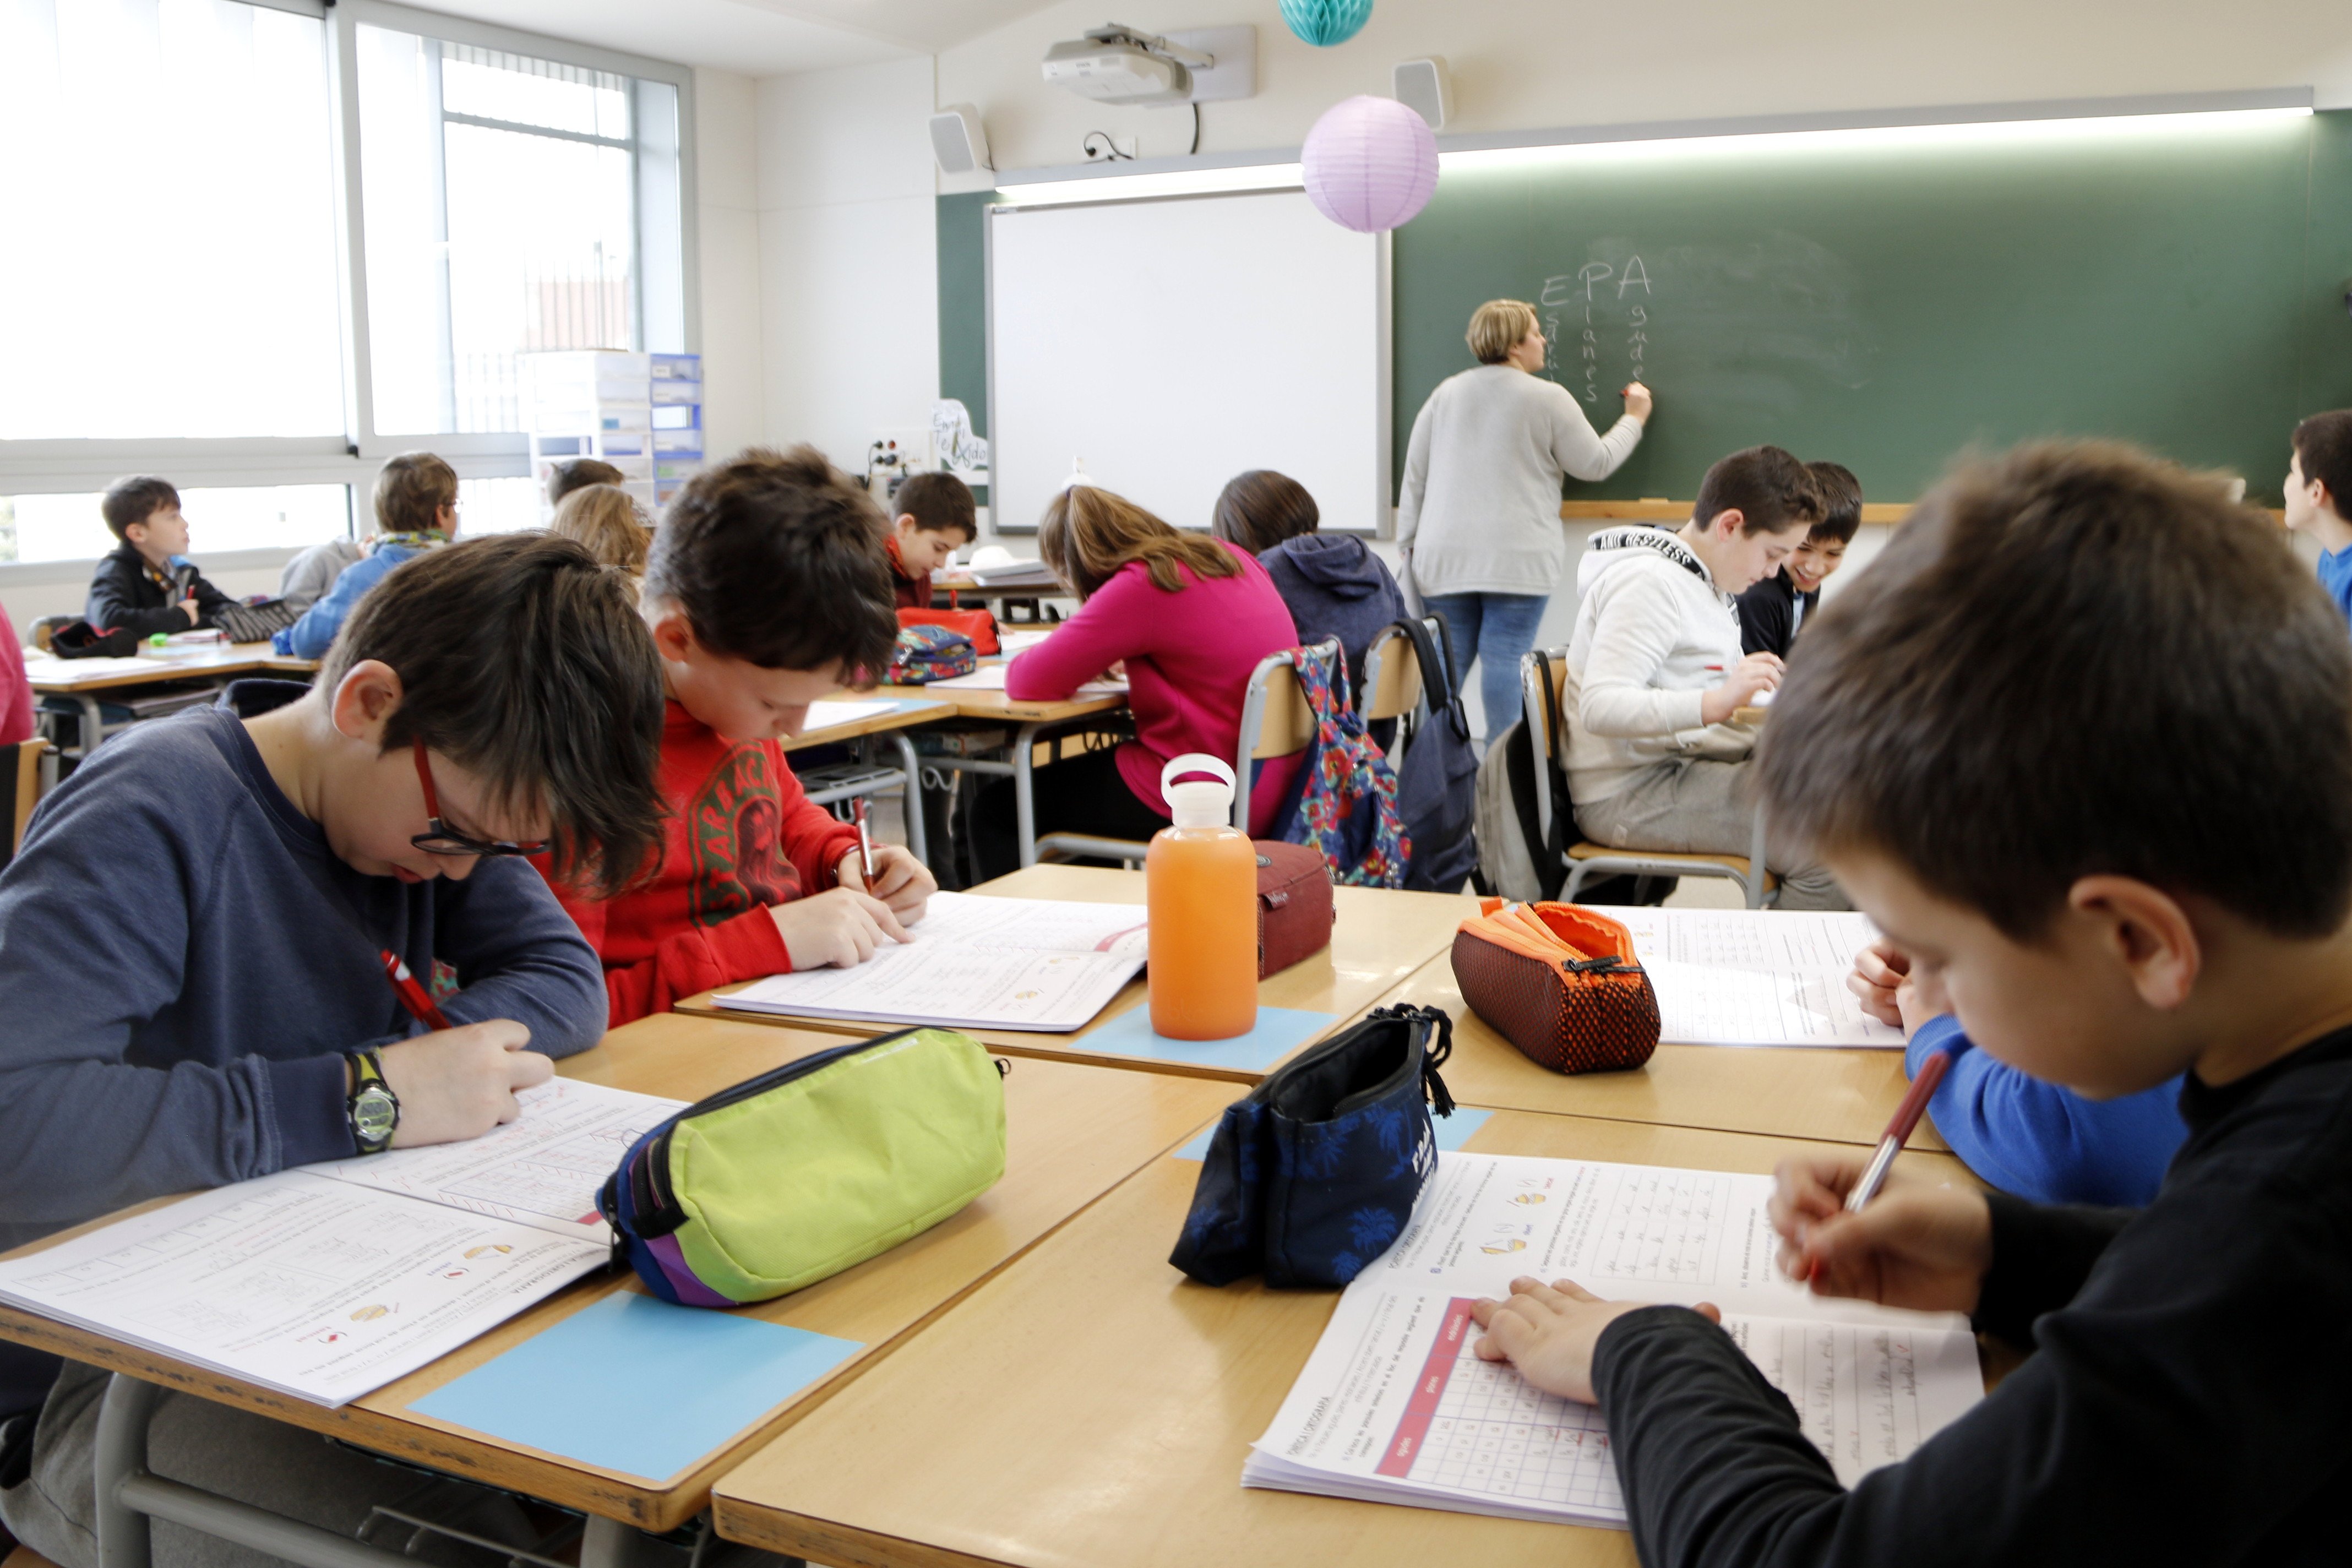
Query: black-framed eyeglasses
x=439 y=840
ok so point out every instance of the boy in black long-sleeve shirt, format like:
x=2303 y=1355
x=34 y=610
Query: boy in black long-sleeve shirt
x=2057 y=833
x=142 y=585
x=1773 y=611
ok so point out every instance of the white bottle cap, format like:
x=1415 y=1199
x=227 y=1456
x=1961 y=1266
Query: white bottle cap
x=1199 y=803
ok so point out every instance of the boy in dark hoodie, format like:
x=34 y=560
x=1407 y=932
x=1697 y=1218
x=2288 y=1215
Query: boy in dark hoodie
x=1334 y=586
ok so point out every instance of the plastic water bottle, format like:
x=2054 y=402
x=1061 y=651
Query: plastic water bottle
x=1201 y=882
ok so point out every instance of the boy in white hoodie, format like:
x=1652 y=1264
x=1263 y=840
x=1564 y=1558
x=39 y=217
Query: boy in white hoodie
x=1655 y=760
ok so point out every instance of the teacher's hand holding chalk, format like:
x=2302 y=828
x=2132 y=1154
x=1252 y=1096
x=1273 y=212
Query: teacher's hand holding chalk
x=1638 y=401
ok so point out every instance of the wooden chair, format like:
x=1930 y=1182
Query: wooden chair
x=1276 y=722
x=1543 y=677
x=20 y=790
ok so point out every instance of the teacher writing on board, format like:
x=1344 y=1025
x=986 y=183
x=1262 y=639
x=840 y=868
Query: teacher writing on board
x=1479 y=519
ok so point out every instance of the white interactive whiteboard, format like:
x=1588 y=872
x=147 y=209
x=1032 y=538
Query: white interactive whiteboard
x=1171 y=344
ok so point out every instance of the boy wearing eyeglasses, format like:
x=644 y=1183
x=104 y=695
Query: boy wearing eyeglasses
x=195 y=943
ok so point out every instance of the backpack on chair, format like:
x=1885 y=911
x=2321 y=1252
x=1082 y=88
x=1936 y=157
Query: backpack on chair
x=1437 y=784
x=1344 y=805
x=1517 y=859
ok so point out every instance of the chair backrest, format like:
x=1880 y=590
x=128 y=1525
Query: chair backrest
x=1275 y=720
x=1393 y=686
x=20 y=776
x=46 y=626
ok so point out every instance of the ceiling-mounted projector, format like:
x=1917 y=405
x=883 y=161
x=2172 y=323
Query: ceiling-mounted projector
x=1120 y=64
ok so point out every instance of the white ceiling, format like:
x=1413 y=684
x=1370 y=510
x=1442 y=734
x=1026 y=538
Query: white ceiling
x=756 y=38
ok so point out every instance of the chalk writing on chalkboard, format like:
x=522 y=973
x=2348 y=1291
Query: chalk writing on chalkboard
x=1724 y=328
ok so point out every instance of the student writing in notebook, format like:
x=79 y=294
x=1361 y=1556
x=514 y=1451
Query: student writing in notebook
x=1190 y=617
x=767 y=590
x=933 y=516
x=232 y=1016
x=2066 y=894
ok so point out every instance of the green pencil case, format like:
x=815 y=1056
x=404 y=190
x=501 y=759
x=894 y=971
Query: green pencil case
x=790 y=1177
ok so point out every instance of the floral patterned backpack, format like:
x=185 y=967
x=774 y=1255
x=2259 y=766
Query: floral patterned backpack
x=1345 y=806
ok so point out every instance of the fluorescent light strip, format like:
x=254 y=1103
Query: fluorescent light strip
x=1886 y=137
x=1170 y=182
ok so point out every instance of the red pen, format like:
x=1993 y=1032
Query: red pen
x=412 y=995
x=1899 y=1131
x=1890 y=1143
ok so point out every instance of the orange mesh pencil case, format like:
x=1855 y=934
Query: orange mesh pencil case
x=1559 y=982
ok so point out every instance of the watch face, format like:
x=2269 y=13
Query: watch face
x=374 y=1114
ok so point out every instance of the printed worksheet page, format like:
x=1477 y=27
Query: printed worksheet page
x=1394 y=1405
x=316 y=1287
x=543 y=1169
x=1755 y=977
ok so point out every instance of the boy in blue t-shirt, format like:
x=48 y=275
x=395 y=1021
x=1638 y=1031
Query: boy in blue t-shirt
x=2318 y=478
x=2037 y=1139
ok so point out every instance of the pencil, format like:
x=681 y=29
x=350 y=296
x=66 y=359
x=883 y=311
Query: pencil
x=1898 y=1131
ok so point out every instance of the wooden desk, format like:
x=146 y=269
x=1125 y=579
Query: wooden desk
x=965 y=703
x=1091 y=1408
x=913 y=706
x=1380 y=938
x=53 y=675
x=1837 y=1095
x=1073 y=1134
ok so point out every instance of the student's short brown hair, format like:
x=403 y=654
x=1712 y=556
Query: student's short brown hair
x=1497 y=327
x=940 y=503
x=2078 y=659
x=524 y=661
x=563 y=479
x=411 y=490
x=1087 y=535
x=1260 y=509
x=777 y=558
x=134 y=500
x=1840 y=495
x=1771 y=491
x=2323 y=445
x=605 y=519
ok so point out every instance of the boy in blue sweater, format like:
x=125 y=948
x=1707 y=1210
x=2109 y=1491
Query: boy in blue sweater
x=2021 y=1135
x=190 y=939
x=2319 y=483
x=415 y=511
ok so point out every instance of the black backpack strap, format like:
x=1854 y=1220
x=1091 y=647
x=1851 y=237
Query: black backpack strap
x=1436 y=671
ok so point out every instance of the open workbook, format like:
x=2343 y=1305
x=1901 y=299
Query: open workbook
x=975 y=962
x=1394 y=1405
x=1755 y=977
x=331 y=1281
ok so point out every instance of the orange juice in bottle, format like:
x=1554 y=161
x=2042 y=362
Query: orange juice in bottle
x=1201 y=882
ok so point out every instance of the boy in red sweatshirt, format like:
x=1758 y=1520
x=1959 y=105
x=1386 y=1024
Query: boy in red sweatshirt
x=768 y=588
x=935 y=516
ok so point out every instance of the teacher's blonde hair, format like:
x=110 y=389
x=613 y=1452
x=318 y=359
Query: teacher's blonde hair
x=1497 y=327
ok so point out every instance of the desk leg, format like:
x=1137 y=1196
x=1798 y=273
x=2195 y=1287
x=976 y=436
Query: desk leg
x=609 y=1544
x=121 y=1452
x=1024 y=802
x=911 y=803
x=1756 y=872
x=90 y=721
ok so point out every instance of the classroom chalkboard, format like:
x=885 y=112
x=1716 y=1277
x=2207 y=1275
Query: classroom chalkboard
x=1890 y=301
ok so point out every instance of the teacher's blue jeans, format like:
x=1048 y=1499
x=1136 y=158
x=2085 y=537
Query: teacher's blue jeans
x=1497 y=628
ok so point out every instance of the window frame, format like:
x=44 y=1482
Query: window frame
x=351 y=458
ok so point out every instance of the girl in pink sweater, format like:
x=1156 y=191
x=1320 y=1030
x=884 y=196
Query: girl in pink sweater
x=1190 y=618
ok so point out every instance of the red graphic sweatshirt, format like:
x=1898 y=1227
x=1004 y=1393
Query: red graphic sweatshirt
x=913 y=588
x=741 y=836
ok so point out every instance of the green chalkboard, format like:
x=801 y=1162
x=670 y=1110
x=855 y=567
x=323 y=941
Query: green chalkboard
x=963 y=301
x=1889 y=302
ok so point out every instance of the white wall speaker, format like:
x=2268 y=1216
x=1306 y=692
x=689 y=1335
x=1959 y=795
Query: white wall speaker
x=1423 y=87
x=958 y=142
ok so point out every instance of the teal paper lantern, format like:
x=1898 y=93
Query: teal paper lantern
x=1327 y=22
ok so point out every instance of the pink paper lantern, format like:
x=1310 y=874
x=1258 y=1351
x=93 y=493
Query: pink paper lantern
x=1371 y=163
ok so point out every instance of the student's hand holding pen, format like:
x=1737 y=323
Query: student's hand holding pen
x=455 y=1084
x=1757 y=672
x=900 y=880
x=1918 y=1244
